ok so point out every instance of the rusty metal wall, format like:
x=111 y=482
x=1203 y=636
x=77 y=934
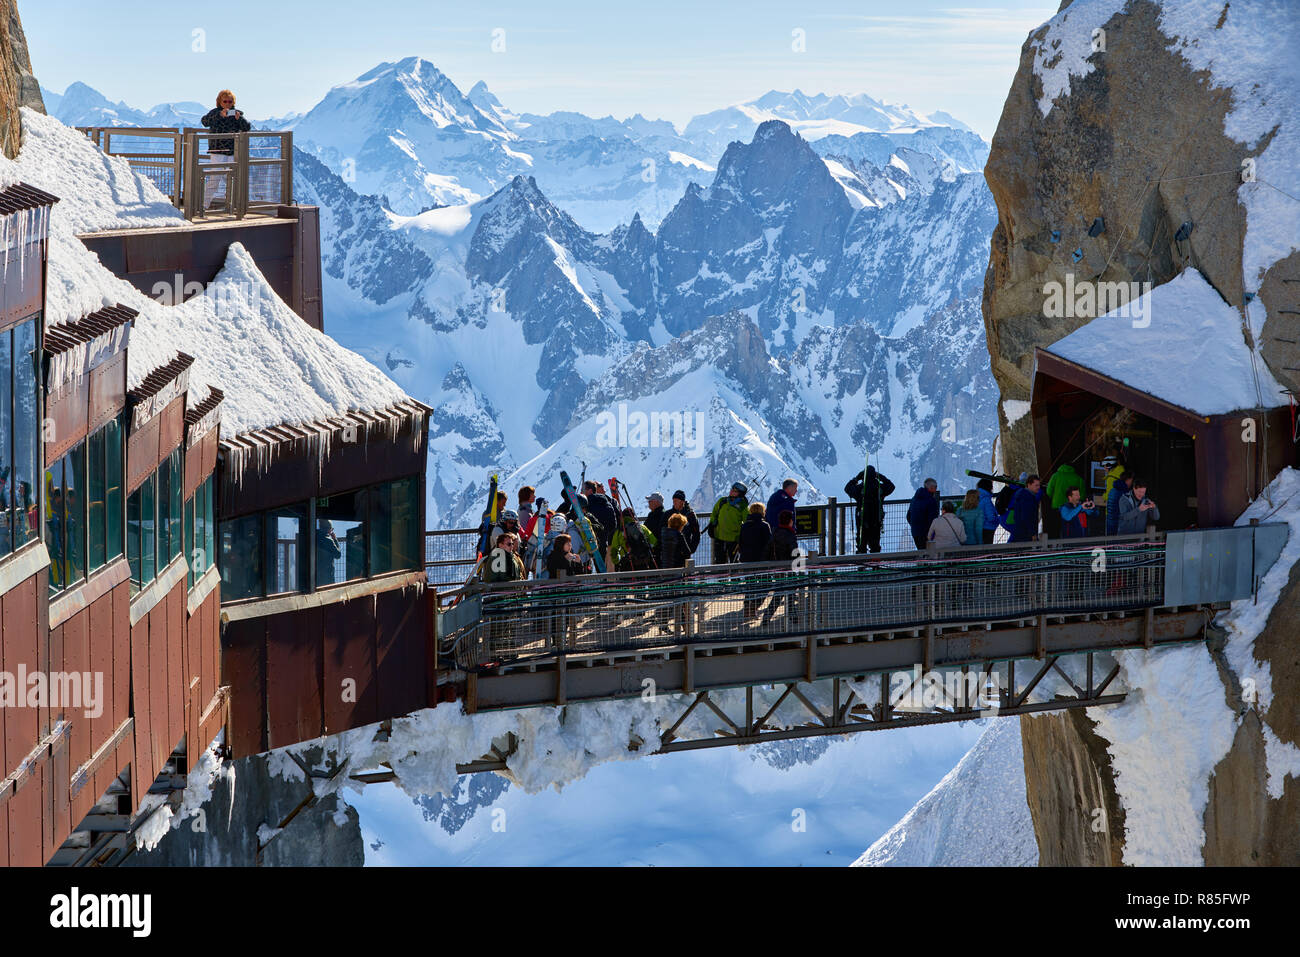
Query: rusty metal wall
x=288 y=671
x=23 y=643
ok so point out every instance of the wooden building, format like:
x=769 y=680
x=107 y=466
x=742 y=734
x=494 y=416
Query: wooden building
x=1195 y=414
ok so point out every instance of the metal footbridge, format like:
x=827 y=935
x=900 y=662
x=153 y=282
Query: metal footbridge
x=841 y=644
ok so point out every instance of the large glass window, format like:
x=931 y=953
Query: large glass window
x=65 y=534
x=341 y=537
x=19 y=459
x=189 y=542
x=394 y=528
x=170 y=507
x=133 y=540
x=96 y=525
x=114 y=482
x=148 y=493
x=27 y=465
x=286 y=542
x=240 y=558
x=366 y=532
x=200 y=531
x=8 y=515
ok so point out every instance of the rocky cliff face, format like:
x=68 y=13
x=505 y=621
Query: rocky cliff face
x=18 y=87
x=1135 y=115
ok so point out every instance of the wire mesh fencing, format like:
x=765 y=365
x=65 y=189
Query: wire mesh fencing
x=828 y=596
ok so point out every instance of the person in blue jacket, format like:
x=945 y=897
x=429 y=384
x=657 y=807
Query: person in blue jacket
x=782 y=500
x=1022 y=519
x=922 y=512
x=988 y=509
x=1074 y=514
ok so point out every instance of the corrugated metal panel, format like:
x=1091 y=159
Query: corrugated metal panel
x=401 y=651
x=349 y=653
x=294 y=709
x=1219 y=564
x=243 y=664
x=140 y=673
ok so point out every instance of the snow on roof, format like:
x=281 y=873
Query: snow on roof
x=272 y=366
x=1249 y=49
x=1206 y=366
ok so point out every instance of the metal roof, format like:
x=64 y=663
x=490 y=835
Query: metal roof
x=20 y=196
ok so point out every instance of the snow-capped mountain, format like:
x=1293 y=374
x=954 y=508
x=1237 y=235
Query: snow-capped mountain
x=799 y=331
x=812 y=116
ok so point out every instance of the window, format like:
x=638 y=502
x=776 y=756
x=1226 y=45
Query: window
x=19 y=465
x=240 y=558
x=204 y=527
x=8 y=516
x=366 y=532
x=286 y=541
x=133 y=529
x=114 y=482
x=97 y=525
x=340 y=537
x=394 y=529
x=65 y=527
x=189 y=541
x=27 y=464
x=170 y=507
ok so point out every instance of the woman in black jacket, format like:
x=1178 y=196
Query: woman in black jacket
x=673 y=550
x=224 y=118
x=755 y=546
x=562 y=563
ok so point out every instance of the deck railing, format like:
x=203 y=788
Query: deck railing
x=207 y=175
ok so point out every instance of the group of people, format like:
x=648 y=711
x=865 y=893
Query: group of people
x=560 y=543
x=1018 y=509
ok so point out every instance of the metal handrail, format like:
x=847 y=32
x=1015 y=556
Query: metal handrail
x=245 y=183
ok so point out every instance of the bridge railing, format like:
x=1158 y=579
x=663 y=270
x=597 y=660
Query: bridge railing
x=493 y=624
x=207 y=174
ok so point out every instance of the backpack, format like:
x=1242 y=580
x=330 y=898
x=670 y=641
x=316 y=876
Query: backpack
x=636 y=542
x=1003 y=500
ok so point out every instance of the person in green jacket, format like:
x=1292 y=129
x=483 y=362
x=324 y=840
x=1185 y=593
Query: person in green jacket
x=729 y=513
x=633 y=547
x=1058 y=490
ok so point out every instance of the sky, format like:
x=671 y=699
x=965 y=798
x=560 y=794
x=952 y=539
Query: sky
x=668 y=60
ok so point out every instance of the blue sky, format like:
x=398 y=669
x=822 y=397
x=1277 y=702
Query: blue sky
x=666 y=60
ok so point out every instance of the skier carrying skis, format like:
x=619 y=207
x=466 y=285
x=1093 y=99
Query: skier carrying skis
x=869 y=489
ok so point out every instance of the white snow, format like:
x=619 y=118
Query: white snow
x=1015 y=410
x=1066 y=47
x=977 y=816
x=1192 y=353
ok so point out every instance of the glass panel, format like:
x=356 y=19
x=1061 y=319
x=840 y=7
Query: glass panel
x=209 y=523
x=189 y=542
x=149 y=529
x=8 y=514
x=133 y=538
x=114 y=479
x=54 y=525
x=175 y=505
x=27 y=466
x=96 y=544
x=395 y=533
x=240 y=558
x=340 y=537
x=286 y=543
x=74 y=509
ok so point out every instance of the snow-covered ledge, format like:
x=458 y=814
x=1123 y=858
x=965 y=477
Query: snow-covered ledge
x=158 y=589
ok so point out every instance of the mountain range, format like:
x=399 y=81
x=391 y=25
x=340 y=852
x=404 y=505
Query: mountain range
x=800 y=275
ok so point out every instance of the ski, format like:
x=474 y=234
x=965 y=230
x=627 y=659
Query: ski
x=539 y=544
x=584 y=529
x=489 y=518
